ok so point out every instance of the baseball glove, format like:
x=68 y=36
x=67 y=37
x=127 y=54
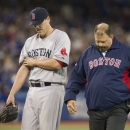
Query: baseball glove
x=9 y=114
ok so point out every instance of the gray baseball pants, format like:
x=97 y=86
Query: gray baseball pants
x=43 y=107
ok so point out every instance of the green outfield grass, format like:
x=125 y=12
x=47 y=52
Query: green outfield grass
x=63 y=126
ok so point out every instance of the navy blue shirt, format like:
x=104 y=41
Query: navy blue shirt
x=106 y=79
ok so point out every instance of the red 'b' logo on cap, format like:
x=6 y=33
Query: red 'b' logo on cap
x=33 y=16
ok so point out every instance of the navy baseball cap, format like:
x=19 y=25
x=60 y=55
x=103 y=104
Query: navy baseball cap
x=38 y=15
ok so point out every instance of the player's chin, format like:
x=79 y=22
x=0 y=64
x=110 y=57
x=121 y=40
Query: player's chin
x=39 y=32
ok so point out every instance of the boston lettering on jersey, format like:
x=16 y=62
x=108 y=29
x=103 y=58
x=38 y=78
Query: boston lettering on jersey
x=105 y=61
x=40 y=52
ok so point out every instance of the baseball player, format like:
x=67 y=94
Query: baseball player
x=44 y=58
x=104 y=69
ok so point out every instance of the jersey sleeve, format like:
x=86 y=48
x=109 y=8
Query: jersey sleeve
x=23 y=53
x=76 y=81
x=62 y=49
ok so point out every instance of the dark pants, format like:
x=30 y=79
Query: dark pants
x=113 y=118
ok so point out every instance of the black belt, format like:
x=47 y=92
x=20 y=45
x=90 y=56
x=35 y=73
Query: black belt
x=40 y=84
x=43 y=84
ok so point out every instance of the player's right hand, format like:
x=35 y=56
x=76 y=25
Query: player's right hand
x=72 y=106
x=11 y=99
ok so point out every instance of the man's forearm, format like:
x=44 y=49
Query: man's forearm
x=49 y=64
x=20 y=79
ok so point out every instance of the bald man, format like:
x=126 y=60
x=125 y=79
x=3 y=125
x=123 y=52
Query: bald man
x=104 y=70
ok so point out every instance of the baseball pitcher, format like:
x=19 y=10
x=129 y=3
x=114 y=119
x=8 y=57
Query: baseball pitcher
x=44 y=58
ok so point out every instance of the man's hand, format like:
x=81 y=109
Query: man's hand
x=72 y=107
x=28 y=61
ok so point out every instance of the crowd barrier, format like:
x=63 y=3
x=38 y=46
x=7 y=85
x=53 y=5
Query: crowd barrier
x=81 y=114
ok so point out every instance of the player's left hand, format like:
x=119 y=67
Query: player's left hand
x=29 y=61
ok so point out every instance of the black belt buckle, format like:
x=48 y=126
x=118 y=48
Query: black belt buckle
x=128 y=104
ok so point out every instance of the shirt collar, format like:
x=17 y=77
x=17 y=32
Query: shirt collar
x=115 y=44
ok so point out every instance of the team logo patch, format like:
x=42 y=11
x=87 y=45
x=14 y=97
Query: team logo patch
x=63 y=51
x=33 y=16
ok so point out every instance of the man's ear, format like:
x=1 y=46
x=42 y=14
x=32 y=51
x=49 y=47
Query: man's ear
x=48 y=18
x=112 y=36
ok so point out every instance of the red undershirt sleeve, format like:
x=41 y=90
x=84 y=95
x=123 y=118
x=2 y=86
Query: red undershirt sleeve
x=61 y=63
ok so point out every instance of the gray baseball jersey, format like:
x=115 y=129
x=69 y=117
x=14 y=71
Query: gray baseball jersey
x=43 y=106
x=57 y=46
